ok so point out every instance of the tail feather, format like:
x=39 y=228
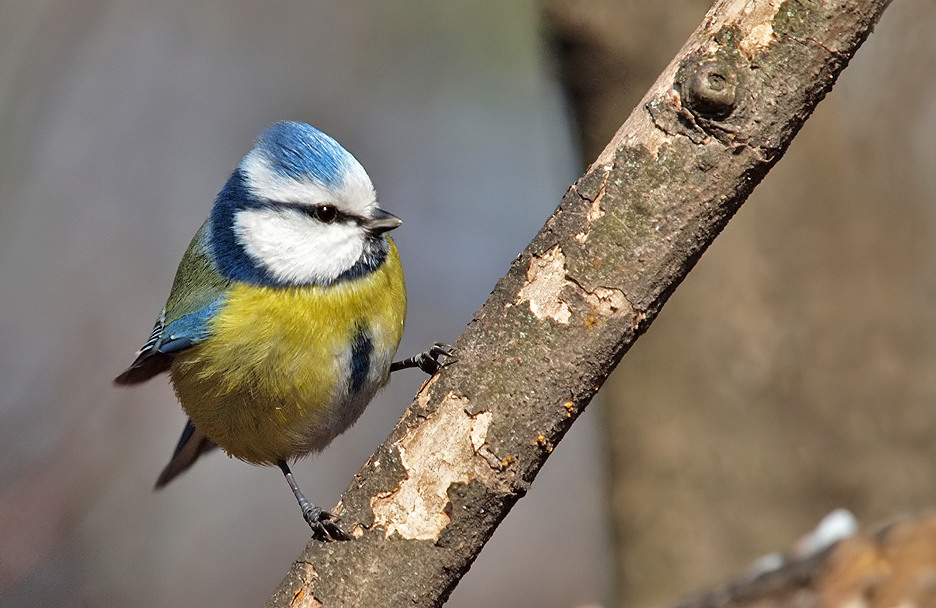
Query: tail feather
x=145 y=367
x=191 y=445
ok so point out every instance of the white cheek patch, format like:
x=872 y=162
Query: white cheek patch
x=296 y=248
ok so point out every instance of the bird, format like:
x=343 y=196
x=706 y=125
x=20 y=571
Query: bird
x=285 y=313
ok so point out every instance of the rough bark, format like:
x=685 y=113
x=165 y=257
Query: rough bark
x=624 y=236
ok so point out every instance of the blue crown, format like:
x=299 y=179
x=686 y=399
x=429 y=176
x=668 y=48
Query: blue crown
x=301 y=152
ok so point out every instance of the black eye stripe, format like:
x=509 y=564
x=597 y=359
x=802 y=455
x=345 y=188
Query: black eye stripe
x=324 y=212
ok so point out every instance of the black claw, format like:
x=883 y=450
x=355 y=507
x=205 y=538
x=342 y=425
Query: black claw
x=324 y=525
x=427 y=361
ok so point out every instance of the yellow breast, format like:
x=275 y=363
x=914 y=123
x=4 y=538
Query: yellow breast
x=288 y=369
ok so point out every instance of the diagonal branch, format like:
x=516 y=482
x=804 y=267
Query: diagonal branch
x=594 y=278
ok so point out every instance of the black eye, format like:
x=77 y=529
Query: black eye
x=325 y=213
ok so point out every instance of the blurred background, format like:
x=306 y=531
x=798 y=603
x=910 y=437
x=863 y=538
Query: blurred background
x=791 y=374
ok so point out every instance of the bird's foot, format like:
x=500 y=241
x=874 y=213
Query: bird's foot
x=428 y=360
x=324 y=524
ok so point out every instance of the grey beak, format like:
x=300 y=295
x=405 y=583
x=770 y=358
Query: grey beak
x=382 y=221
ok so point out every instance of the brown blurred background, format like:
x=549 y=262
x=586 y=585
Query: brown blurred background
x=789 y=375
x=794 y=372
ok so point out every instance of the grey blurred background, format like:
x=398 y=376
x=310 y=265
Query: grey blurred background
x=790 y=375
x=120 y=121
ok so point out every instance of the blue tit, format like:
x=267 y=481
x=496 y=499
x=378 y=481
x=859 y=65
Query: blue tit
x=285 y=312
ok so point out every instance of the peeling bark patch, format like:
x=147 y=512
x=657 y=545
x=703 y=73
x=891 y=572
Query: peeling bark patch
x=416 y=509
x=607 y=301
x=304 y=596
x=546 y=277
x=743 y=14
x=595 y=212
x=760 y=36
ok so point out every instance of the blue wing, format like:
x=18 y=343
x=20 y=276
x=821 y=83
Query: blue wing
x=168 y=339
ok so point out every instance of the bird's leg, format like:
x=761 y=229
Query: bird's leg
x=427 y=361
x=323 y=524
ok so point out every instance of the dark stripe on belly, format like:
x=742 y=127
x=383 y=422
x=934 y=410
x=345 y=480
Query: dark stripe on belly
x=361 y=349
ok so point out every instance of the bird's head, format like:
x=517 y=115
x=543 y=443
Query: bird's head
x=299 y=210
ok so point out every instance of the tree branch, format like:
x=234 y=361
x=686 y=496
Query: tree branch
x=594 y=278
x=890 y=567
